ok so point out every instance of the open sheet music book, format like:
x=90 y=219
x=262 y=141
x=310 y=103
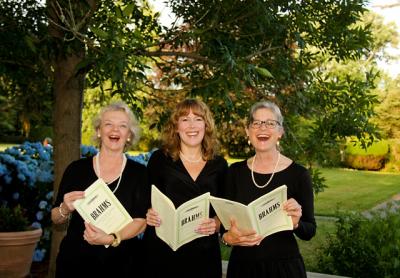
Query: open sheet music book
x=265 y=215
x=178 y=225
x=101 y=208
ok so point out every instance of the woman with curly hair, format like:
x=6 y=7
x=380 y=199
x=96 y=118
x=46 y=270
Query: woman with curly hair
x=186 y=166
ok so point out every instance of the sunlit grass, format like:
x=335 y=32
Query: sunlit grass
x=4 y=146
x=351 y=190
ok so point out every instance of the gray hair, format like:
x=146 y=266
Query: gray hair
x=133 y=123
x=267 y=105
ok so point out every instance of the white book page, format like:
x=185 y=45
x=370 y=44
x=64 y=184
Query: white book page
x=101 y=208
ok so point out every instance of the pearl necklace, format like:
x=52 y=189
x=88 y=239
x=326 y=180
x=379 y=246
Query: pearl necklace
x=189 y=160
x=272 y=175
x=120 y=174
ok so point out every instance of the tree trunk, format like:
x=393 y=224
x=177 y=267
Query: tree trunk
x=68 y=90
x=68 y=94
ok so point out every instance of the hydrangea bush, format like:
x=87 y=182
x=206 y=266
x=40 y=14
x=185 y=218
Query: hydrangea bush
x=26 y=179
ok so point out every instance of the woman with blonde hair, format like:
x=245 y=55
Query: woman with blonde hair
x=83 y=250
x=186 y=166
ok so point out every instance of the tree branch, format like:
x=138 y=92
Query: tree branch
x=190 y=55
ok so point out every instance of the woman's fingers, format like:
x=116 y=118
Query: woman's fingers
x=292 y=207
x=245 y=240
x=152 y=218
x=207 y=227
x=93 y=235
x=71 y=197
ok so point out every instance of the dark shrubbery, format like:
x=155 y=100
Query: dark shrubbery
x=13 y=219
x=364 y=245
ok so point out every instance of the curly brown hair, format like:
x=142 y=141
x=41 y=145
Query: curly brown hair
x=171 y=142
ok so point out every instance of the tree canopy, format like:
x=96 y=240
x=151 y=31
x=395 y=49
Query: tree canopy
x=229 y=53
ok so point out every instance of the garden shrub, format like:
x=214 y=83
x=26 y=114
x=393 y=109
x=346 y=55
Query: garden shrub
x=393 y=163
x=372 y=158
x=26 y=179
x=364 y=245
x=365 y=162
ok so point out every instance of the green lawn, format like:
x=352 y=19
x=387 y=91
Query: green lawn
x=351 y=190
x=4 y=146
x=348 y=190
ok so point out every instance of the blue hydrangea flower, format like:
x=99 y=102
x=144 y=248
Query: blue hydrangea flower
x=36 y=225
x=42 y=204
x=15 y=196
x=142 y=158
x=49 y=195
x=38 y=255
x=39 y=215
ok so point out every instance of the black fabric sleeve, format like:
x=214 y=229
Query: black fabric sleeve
x=305 y=197
x=64 y=184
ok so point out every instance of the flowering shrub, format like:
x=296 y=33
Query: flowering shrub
x=142 y=158
x=26 y=179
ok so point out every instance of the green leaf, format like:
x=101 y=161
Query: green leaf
x=129 y=9
x=264 y=72
x=100 y=33
x=30 y=43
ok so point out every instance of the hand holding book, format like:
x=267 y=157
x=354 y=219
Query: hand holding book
x=235 y=236
x=265 y=215
x=177 y=226
x=102 y=209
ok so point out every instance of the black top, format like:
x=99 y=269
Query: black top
x=76 y=256
x=278 y=254
x=200 y=257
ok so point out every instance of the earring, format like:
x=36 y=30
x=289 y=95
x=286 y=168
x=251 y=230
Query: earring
x=278 y=146
x=248 y=142
x=98 y=135
x=129 y=139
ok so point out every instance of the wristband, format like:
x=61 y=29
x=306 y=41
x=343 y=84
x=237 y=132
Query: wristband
x=223 y=241
x=61 y=213
x=117 y=239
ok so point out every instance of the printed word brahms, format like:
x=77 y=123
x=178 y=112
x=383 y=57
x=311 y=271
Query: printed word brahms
x=100 y=209
x=268 y=210
x=191 y=218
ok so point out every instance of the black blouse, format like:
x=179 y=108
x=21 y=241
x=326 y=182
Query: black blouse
x=172 y=178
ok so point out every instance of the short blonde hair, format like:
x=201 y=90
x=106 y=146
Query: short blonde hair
x=133 y=123
x=171 y=142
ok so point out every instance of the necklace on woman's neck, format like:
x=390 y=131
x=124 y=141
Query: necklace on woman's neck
x=120 y=174
x=272 y=175
x=189 y=160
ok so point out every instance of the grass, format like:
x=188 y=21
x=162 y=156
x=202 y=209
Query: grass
x=377 y=148
x=4 y=146
x=231 y=160
x=351 y=190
